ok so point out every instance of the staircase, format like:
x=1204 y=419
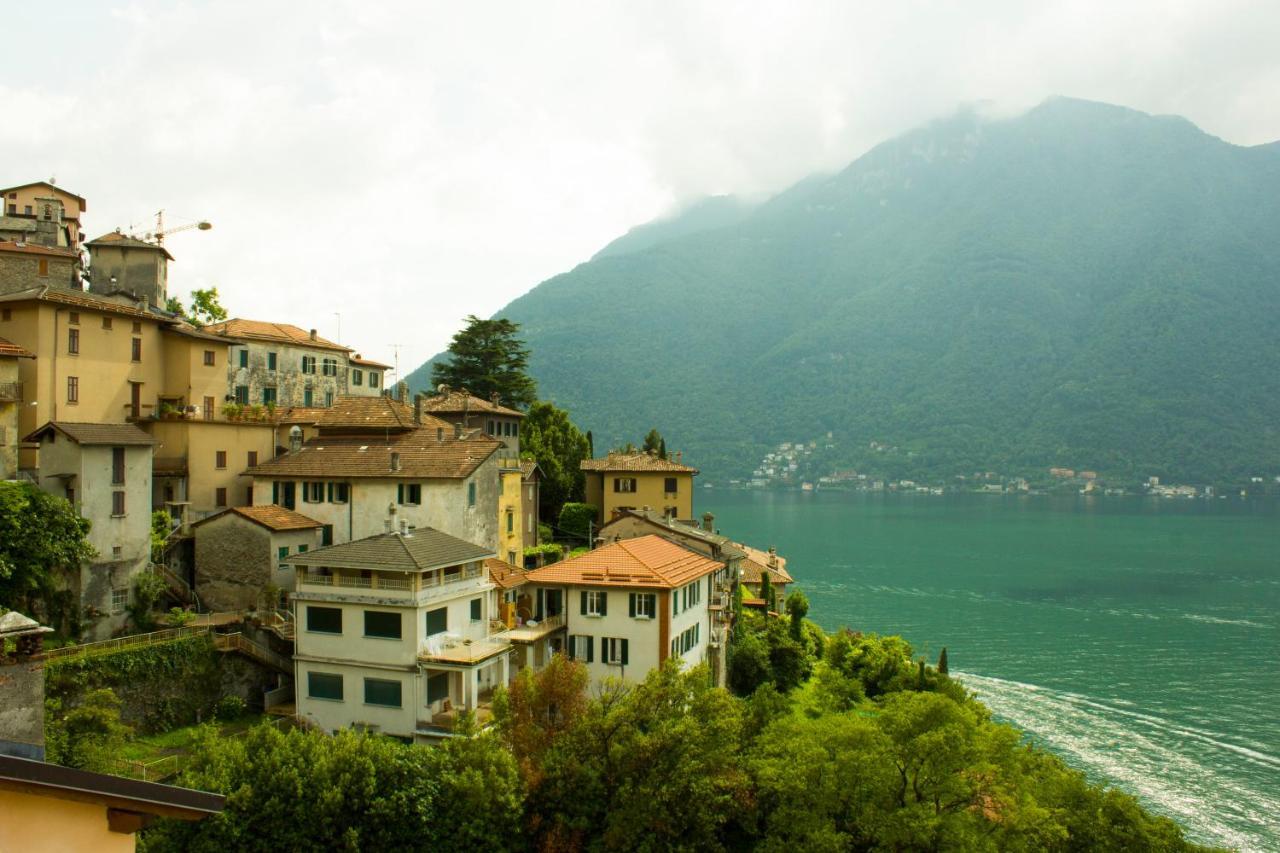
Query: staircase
x=239 y=643
x=280 y=622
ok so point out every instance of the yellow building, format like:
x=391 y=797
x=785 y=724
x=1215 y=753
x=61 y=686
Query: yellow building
x=10 y=402
x=634 y=480
x=41 y=213
x=510 y=513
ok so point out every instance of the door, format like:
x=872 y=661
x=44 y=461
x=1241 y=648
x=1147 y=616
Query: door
x=555 y=602
x=287 y=499
x=135 y=400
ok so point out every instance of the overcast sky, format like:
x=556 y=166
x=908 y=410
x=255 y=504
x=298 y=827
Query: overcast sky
x=406 y=164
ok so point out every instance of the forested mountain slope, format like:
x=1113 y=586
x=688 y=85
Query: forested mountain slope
x=1083 y=285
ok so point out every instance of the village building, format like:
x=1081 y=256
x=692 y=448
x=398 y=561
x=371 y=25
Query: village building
x=396 y=634
x=630 y=480
x=10 y=403
x=104 y=471
x=120 y=263
x=41 y=214
x=27 y=265
x=530 y=496
x=533 y=640
x=755 y=566
x=630 y=605
x=239 y=555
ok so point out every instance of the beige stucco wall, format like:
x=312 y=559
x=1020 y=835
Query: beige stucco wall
x=650 y=492
x=41 y=824
x=198 y=442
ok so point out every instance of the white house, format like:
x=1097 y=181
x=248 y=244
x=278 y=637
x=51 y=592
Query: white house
x=395 y=634
x=631 y=604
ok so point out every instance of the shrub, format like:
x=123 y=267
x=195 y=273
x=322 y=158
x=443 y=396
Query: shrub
x=576 y=520
x=230 y=707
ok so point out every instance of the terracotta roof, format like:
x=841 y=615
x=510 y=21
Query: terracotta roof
x=649 y=562
x=12 y=350
x=423 y=549
x=261 y=330
x=92 y=434
x=300 y=414
x=381 y=412
x=638 y=461
x=672 y=527
x=757 y=562
x=79 y=299
x=504 y=575
x=422 y=457
x=115 y=238
x=269 y=516
x=190 y=331
x=527 y=468
x=457 y=402
x=34 y=249
x=79 y=198
x=367 y=362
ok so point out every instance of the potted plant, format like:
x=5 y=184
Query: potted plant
x=231 y=411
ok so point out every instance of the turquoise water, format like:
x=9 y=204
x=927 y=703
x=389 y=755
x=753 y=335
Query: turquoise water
x=1137 y=638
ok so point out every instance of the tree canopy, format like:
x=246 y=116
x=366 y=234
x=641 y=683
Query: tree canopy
x=487 y=358
x=205 y=307
x=559 y=447
x=41 y=537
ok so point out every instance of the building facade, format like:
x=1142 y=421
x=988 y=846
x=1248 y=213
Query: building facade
x=239 y=555
x=11 y=399
x=631 y=480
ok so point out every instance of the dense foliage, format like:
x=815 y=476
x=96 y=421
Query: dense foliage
x=41 y=539
x=550 y=437
x=575 y=522
x=1083 y=285
x=206 y=307
x=487 y=358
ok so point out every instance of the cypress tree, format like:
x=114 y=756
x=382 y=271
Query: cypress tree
x=942 y=662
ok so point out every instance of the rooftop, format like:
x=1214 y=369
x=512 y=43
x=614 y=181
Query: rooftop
x=757 y=562
x=365 y=413
x=368 y=362
x=83 y=203
x=645 y=562
x=263 y=330
x=527 y=467
x=269 y=516
x=12 y=350
x=94 y=434
x=80 y=299
x=421 y=456
x=125 y=241
x=421 y=550
x=638 y=461
x=674 y=527
x=457 y=402
x=34 y=249
x=504 y=575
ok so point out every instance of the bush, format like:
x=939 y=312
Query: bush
x=147 y=590
x=551 y=552
x=576 y=520
x=229 y=707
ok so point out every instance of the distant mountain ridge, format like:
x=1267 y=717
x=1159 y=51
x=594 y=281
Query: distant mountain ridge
x=1084 y=285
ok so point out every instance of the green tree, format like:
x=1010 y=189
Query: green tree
x=205 y=307
x=90 y=736
x=767 y=591
x=653 y=442
x=942 y=662
x=576 y=520
x=42 y=538
x=548 y=436
x=487 y=358
x=797 y=609
x=538 y=709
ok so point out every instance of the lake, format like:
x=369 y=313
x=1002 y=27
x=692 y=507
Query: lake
x=1138 y=638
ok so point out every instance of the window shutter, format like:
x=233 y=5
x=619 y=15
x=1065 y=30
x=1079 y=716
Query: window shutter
x=675 y=602
x=590 y=647
x=625 y=642
x=584 y=603
x=573 y=641
x=330 y=492
x=275 y=492
x=631 y=605
x=604 y=603
x=400 y=493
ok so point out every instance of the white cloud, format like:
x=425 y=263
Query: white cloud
x=409 y=163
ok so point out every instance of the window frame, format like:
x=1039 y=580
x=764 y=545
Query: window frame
x=311 y=685
x=320 y=610
x=399 y=622
x=73 y=389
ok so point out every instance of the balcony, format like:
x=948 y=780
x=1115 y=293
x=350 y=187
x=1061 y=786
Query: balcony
x=477 y=643
x=10 y=392
x=419 y=586
x=531 y=632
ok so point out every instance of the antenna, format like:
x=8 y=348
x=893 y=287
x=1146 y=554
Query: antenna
x=396 y=348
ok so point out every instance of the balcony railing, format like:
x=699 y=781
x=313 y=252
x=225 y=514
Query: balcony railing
x=528 y=633
x=399 y=582
x=10 y=392
x=472 y=645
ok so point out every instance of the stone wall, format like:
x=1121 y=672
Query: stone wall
x=22 y=271
x=22 y=706
x=233 y=562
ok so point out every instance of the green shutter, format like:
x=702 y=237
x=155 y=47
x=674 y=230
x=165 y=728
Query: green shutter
x=583 y=609
x=624 y=651
x=572 y=639
x=604 y=650
x=631 y=605
x=399 y=493
x=590 y=647
x=675 y=602
x=604 y=603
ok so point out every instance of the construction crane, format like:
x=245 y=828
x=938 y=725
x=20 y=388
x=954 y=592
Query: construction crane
x=161 y=232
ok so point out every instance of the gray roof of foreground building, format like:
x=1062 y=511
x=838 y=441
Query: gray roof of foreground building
x=420 y=550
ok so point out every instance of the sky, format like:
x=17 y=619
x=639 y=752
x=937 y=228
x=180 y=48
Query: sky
x=378 y=171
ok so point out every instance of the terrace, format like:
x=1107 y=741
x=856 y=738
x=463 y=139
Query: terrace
x=407 y=585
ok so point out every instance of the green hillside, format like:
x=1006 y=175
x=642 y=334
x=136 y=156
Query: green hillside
x=1084 y=285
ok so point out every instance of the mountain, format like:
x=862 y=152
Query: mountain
x=1083 y=285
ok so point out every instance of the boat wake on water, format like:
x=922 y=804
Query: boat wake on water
x=1170 y=766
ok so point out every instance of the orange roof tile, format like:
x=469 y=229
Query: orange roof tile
x=367 y=362
x=80 y=299
x=381 y=412
x=12 y=350
x=270 y=516
x=638 y=461
x=262 y=330
x=757 y=562
x=421 y=456
x=33 y=249
x=115 y=238
x=504 y=575
x=647 y=562
x=457 y=402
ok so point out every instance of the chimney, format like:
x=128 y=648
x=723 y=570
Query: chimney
x=386 y=525
x=439 y=433
x=404 y=527
x=295 y=439
x=417 y=408
x=708 y=522
x=313 y=334
x=395 y=460
x=458 y=429
x=402 y=391
x=773 y=557
x=679 y=456
x=494 y=398
x=22 y=674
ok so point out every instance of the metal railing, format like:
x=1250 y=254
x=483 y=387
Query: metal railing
x=392 y=581
x=104 y=646
x=238 y=642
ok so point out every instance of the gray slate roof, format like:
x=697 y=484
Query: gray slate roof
x=423 y=549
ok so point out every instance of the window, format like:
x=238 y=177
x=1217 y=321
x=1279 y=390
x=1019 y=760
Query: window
x=308 y=363
x=313 y=493
x=511 y=557
x=242 y=395
x=329 y=367
x=244 y=358
x=338 y=493
x=328 y=399
x=137 y=327
x=207 y=409
x=324 y=620
x=252 y=458
x=248 y=495
x=42 y=266
x=6 y=314
x=271 y=361
x=437 y=621
x=220 y=496
x=409 y=493
x=489 y=426
x=117 y=466
x=106 y=323
x=137 y=349
x=281 y=553
x=642 y=605
x=73 y=389
x=302 y=549
x=511 y=521
x=324 y=685
x=220 y=459
x=624 y=484
x=471 y=494
x=373 y=379
x=580 y=647
x=73 y=341
x=117 y=552
x=594 y=603
x=357 y=377
x=119 y=599
x=209 y=358
x=268 y=396
x=476 y=609
x=73 y=317
x=382 y=624
x=117 y=503
x=326 y=535
x=306 y=397
x=613 y=650
x=437 y=687
x=669 y=485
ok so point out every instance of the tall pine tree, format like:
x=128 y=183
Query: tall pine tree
x=487 y=358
